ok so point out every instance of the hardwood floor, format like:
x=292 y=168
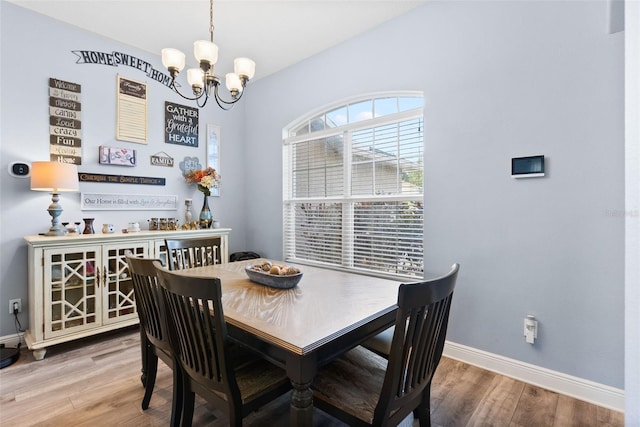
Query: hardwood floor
x=96 y=382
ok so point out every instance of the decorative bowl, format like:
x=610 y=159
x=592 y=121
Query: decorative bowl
x=272 y=280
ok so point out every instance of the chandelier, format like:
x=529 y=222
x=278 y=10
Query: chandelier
x=203 y=81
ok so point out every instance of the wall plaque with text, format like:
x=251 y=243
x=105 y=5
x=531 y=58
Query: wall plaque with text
x=119 y=179
x=181 y=124
x=65 y=125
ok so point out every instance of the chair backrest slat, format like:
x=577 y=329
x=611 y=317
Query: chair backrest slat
x=190 y=253
x=416 y=348
x=148 y=296
x=198 y=329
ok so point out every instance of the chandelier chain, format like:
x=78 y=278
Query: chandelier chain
x=211 y=20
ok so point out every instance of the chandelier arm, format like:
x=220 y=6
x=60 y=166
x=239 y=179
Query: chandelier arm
x=225 y=105
x=206 y=98
x=195 y=98
x=220 y=99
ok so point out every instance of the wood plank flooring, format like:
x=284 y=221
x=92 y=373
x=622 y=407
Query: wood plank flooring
x=96 y=382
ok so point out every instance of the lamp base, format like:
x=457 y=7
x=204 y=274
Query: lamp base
x=55 y=231
x=55 y=210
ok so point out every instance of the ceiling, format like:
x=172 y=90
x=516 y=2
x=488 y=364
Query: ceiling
x=275 y=34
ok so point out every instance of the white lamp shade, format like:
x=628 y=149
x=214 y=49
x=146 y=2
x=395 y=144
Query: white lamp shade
x=205 y=50
x=233 y=82
x=195 y=77
x=173 y=58
x=54 y=177
x=244 y=67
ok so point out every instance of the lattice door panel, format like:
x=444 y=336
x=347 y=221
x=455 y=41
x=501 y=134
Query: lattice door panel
x=72 y=303
x=118 y=289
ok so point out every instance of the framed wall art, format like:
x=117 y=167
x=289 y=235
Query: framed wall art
x=117 y=156
x=213 y=152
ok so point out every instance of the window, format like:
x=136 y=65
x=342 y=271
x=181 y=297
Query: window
x=353 y=187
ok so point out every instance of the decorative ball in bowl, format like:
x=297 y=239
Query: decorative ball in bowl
x=274 y=275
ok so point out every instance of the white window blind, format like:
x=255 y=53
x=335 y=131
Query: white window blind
x=353 y=193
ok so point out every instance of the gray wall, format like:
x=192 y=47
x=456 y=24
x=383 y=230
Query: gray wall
x=500 y=79
x=34 y=48
x=632 y=213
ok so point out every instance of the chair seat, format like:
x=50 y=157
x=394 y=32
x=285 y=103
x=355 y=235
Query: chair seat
x=381 y=343
x=260 y=377
x=254 y=375
x=352 y=383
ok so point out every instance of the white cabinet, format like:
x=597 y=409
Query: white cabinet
x=79 y=285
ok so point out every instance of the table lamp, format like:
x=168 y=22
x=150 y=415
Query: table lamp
x=55 y=177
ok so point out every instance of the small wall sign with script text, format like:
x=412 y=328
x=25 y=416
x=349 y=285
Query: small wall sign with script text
x=132 y=202
x=162 y=159
x=117 y=156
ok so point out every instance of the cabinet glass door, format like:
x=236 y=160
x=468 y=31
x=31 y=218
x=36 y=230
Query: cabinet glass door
x=70 y=281
x=160 y=249
x=119 y=303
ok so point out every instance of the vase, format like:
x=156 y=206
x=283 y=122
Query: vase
x=88 y=226
x=206 y=216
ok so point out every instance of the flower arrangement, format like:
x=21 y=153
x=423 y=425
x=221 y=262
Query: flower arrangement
x=205 y=178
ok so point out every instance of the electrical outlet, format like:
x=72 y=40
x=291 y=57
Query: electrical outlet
x=13 y=303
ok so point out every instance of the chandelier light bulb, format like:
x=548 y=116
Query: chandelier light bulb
x=205 y=51
x=233 y=82
x=244 y=67
x=195 y=77
x=173 y=58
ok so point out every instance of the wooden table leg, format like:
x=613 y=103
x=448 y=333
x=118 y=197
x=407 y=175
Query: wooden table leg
x=301 y=370
x=301 y=404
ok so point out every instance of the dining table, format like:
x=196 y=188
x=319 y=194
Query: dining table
x=302 y=328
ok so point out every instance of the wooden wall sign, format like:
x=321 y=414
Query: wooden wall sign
x=181 y=124
x=131 y=111
x=117 y=156
x=131 y=202
x=162 y=159
x=120 y=179
x=116 y=59
x=65 y=125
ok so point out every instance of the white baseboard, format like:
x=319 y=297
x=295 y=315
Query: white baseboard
x=589 y=391
x=12 y=340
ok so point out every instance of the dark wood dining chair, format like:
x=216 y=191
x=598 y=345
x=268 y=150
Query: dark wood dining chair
x=154 y=332
x=189 y=253
x=363 y=389
x=235 y=380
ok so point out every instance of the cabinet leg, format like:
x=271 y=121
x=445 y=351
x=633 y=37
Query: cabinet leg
x=39 y=354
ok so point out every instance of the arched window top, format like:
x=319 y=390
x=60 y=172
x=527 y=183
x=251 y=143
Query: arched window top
x=353 y=186
x=356 y=110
